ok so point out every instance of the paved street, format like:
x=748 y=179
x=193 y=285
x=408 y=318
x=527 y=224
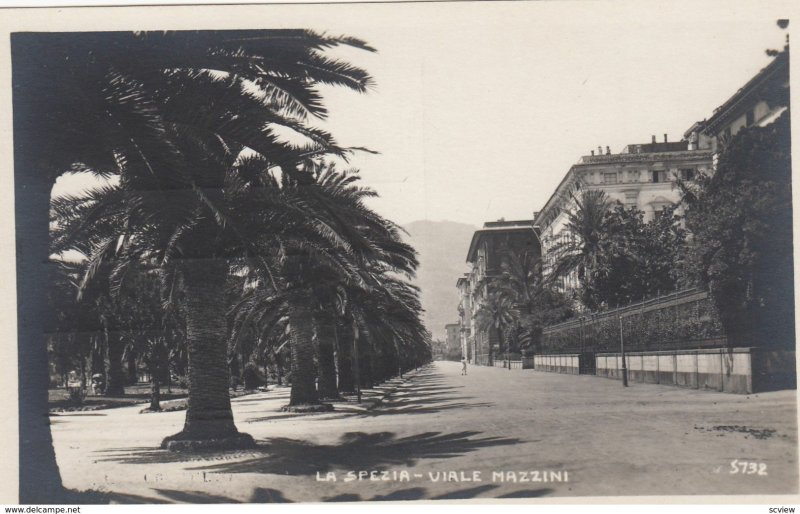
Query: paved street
x=584 y=435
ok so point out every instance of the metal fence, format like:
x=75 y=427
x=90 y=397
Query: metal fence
x=681 y=320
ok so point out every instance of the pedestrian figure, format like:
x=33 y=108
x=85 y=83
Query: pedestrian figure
x=464 y=366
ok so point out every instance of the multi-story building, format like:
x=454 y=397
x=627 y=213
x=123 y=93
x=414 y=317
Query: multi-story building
x=759 y=102
x=489 y=249
x=465 y=318
x=453 y=340
x=642 y=176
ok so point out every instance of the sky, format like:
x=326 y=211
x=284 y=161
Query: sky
x=480 y=108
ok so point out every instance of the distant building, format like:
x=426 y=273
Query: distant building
x=759 y=102
x=489 y=249
x=453 y=340
x=642 y=176
x=465 y=321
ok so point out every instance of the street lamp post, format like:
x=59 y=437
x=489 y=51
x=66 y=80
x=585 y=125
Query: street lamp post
x=622 y=352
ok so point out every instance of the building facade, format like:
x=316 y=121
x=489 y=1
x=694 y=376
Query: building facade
x=489 y=249
x=465 y=320
x=642 y=176
x=453 y=340
x=758 y=103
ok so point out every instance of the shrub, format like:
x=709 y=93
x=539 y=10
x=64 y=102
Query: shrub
x=76 y=395
x=252 y=378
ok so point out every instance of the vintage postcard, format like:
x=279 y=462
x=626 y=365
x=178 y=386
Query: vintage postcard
x=399 y=251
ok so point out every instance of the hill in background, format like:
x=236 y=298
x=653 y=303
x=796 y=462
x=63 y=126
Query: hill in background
x=442 y=247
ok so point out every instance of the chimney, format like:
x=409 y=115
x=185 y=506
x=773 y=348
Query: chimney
x=654 y=140
x=599 y=150
x=592 y=153
x=665 y=138
x=608 y=151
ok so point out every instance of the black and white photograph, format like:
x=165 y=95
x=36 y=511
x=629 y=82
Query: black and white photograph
x=427 y=252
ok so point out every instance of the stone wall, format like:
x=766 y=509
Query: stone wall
x=734 y=370
x=559 y=363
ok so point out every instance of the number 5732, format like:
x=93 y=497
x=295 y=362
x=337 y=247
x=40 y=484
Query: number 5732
x=744 y=467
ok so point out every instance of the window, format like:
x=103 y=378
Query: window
x=659 y=176
x=687 y=174
x=749 y=118
x=610 y=178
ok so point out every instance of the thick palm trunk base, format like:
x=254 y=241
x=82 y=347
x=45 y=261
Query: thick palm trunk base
x=303 y=397
x=209 y=418
x=211 y=436
x=327 y=364
x=308 y=407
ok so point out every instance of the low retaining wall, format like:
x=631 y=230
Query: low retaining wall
x=501 y=363
x=734 y=370
x=481 y=360
x=568 y=363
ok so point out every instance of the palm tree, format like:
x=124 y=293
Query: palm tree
x=496 y=313
x=98 y=277
x=327 y=248
x=583 y=240
x=121 y=100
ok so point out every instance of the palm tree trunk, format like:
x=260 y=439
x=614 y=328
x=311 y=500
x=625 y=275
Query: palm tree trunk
x=489 y=342
x=365 y=365
x=155 y=389
x=356 y=362
x=499 y=339
x=83 y=372
x=115 y=375
x=344 y=358
x=326 y=333
x=132 y=372
x=279 y=368
x=209 y=418
x=39 y=477
x=304 y=391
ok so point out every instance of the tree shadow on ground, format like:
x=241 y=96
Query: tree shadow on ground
x=267 y=495
x=260 y=495
x=289 y=415
x=355 y=450
x=423 y=393
x=529 y=493
x=413 y=493
x=416 y=400
x=108 y=497
x=237 y=401
x=76 y=413
x=418 y=493
x=347 y=497
x=193 y=496
x=463 y=494
x=410 y=408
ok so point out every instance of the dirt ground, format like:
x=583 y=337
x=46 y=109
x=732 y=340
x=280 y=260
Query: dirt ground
x=494 y=433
